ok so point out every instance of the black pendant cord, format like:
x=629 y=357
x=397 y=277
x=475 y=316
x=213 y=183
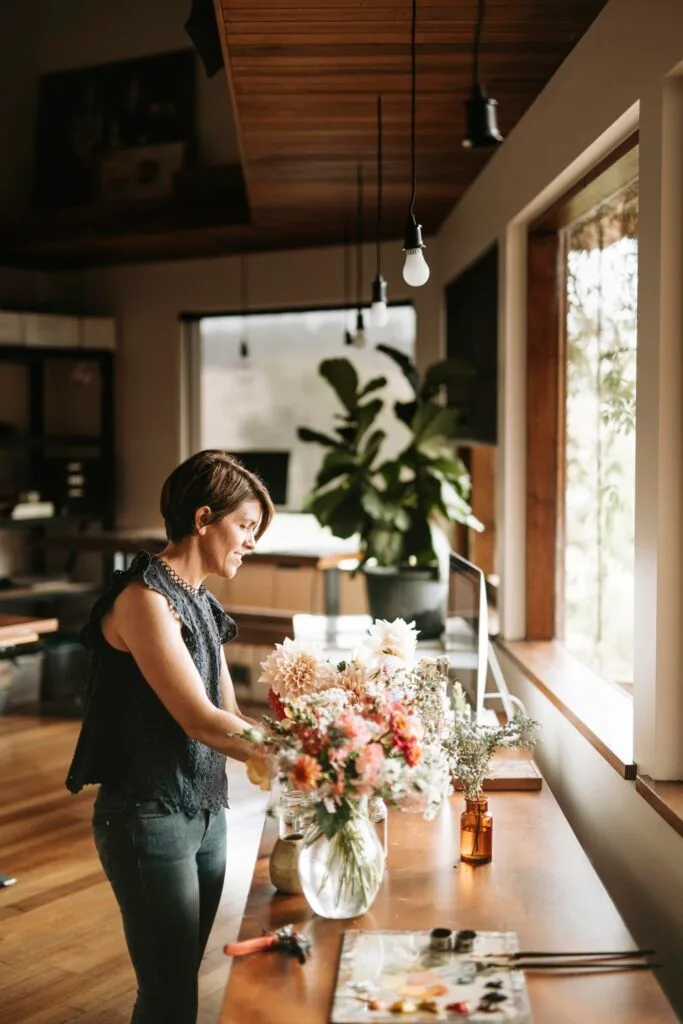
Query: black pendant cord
x=477 y=44
x=359 y=261
x=379 y=186
x=244 y=303
x=348 y=300
x=347 y=265
x=413 y=62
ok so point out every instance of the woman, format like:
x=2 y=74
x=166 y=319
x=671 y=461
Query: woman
x=160 y=718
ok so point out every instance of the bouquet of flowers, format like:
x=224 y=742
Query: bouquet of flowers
x=341 y=734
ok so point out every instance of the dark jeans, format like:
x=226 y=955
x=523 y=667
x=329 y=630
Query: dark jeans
x=167 y=871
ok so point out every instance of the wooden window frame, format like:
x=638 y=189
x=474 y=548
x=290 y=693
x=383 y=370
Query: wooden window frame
x=546 y=386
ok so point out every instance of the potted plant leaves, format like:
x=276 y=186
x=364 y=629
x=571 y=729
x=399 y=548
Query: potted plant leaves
x=395 y=506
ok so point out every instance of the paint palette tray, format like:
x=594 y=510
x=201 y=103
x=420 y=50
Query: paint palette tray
x=388 y=977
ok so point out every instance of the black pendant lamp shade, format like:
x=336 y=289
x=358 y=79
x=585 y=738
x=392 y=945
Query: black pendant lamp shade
x=482 y=120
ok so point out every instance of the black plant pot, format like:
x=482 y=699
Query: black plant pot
x=416 y=595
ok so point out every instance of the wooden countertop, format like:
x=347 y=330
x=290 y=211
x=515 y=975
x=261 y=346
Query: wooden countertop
x=109 y=542
x=539 y=884
x=24 y=629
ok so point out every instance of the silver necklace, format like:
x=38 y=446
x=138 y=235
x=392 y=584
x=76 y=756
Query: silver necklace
x=195 y=591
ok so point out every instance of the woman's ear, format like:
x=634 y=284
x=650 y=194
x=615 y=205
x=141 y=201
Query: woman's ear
x=202 y=517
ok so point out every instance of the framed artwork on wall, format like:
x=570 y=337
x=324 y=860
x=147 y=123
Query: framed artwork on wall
x=114 y=132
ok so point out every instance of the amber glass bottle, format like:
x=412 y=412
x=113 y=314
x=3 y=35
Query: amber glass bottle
x=476 y=832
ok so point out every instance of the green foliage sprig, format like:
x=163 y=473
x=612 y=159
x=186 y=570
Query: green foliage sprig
x=470 y=747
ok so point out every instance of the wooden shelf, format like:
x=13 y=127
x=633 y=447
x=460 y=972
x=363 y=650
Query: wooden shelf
x=24 y=595
x=67 y=520
x=48 y=440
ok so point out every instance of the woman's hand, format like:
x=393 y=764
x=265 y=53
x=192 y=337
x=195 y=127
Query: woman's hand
x=261 y=769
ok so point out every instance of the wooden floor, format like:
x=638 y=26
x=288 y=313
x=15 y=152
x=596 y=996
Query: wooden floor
x=62 y=954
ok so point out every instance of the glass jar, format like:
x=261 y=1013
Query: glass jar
x=476 y=831
x=295 y=810
x=340 y=875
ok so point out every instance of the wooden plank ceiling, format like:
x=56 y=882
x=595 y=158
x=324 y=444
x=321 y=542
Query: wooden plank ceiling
x=304 y=76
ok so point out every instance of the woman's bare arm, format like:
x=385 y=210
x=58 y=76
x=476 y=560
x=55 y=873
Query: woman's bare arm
x=228 y=697
x=142 y=622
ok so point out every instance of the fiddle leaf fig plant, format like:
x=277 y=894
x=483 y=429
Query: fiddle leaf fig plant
x=392 y=504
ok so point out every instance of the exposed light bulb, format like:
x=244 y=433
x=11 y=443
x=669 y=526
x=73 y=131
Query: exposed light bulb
x=359 y=336
x=379 y=314
x=415 y=268
x=244 y=360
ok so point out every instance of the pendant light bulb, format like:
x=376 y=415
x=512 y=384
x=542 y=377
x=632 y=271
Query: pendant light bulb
x=379 y=313
x=415 y=268
x=359 y=337
x=244 y=360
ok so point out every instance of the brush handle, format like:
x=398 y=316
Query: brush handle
x=581 y=965
x=601 y=954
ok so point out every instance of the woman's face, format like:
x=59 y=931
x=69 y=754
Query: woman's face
x=232 y=537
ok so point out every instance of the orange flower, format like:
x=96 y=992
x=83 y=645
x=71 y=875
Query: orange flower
x=306 y=772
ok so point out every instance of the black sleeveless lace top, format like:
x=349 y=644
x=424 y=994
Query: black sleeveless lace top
x=128 y=741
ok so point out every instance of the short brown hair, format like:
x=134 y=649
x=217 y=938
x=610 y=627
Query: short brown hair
x=212 y=478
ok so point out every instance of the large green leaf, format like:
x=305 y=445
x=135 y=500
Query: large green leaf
x=366 y=415
x=449 y=371
x=385 y=545
x=408 y=368
x=373 y=504
x=432 y=420
x=312 y=436
x=347 y=434
x=342 y=376
x=372 y=385
x=335 y=464
x=324 y=503
x=372 y=446
x=405 y=411
x=452 y=469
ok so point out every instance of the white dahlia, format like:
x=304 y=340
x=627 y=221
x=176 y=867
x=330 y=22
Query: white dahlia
x=295 y=668
x=390 y=644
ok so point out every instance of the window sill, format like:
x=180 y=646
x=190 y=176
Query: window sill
x=602 y=712
x=665 y=797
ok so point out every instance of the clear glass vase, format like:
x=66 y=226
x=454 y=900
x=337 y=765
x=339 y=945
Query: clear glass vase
x=340 y=876
x=476 y=832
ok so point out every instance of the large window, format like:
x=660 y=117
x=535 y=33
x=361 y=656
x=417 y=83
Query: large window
x=601 y=261
x=258 y=381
